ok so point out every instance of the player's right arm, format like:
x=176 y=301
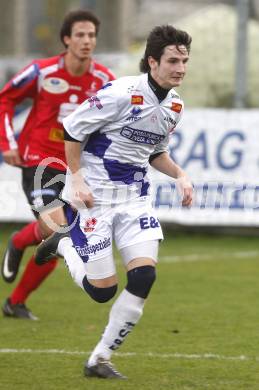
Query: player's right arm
x=21 y=86
x=80 y=193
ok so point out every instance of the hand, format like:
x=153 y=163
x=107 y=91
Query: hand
x=81 y=194
x=185 y=188
x=12 y=157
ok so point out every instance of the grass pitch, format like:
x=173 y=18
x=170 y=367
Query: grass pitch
x=200 y=328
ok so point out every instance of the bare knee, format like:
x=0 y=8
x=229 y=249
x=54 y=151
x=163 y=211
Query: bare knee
x=50 y=220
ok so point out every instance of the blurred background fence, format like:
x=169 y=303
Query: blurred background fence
x=224 y=65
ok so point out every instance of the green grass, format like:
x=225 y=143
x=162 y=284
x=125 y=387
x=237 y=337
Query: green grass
x=205 y=301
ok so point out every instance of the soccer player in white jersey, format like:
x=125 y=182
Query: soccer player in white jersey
x=110 y=140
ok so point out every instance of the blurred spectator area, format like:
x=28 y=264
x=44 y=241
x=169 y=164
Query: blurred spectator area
x=30 y=28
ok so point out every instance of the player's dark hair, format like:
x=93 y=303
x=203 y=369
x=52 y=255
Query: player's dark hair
x=77 y=16
x=158 y=39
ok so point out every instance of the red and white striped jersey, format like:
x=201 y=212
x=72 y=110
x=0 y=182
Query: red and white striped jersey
x=55 y=93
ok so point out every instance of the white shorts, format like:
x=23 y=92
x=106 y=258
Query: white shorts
x=128 y=225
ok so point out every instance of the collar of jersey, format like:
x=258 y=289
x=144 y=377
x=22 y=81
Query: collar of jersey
x=160 y=92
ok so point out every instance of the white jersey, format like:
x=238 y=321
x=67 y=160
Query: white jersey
x=120 y=128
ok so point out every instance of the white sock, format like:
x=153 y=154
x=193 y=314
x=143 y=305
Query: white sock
x=72 y=260
x=125 y=313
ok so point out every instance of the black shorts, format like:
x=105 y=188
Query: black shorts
x=43 y=191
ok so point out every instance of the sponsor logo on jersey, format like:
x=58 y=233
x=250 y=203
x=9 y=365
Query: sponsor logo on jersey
x=132 y=89
x=174 y=96
x=153 y=118
x=93 y=249
x=32 y=157
x=75 y=87
x=137 y=99
x=90 y=224
x=95 y=101
x=141 y=136
x=134 y=114
x=26 y=76
x=55 y=85
x=170 y=120
x=56 y=135
x=176 y=107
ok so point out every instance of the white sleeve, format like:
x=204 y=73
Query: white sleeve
x=162 y=146
x=93 y=113
x=176 y=117
x=179 y=116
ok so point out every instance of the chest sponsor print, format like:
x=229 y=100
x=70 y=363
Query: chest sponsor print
x=55 y=85
x=141 y=136
x=134 y=114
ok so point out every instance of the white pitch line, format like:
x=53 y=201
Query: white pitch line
x=205 y=356
x=206 y=256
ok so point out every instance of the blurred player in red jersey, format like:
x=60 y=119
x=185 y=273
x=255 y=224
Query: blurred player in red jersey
x=56 y=85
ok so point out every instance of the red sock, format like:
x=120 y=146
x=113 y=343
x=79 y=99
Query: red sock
x=32 y=277
x=27 y=236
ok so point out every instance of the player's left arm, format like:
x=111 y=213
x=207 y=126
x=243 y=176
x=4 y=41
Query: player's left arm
x=163 y=163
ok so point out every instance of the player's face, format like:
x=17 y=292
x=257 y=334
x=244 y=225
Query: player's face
x=169 y=73
x=82 y=41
